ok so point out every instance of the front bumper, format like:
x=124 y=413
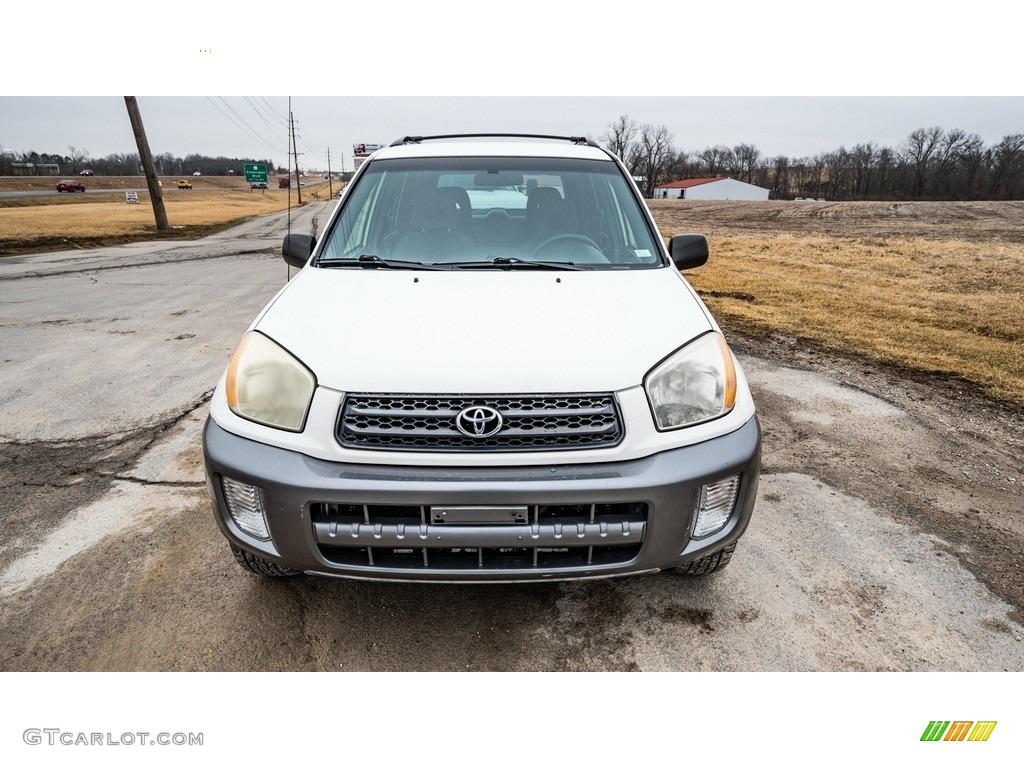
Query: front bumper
x=644 y=512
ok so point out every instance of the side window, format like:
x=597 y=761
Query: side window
x=622 y=224
x=369 y=215
x=355 y=221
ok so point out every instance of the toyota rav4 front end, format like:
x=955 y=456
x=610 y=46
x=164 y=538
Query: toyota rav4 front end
x=488 y=369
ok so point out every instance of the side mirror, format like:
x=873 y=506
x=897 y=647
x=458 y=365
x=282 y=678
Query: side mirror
x=688 y=251
x=297 y=249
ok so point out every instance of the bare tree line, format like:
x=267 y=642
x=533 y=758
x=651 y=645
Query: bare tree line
x=930 y=164
x=128 y=163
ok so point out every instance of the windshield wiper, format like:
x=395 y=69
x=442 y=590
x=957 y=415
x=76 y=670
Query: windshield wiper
x=511 y=262
x=369 y=261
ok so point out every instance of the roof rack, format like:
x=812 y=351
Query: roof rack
x=419 y=139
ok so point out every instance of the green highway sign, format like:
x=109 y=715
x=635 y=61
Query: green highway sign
x=255 y=173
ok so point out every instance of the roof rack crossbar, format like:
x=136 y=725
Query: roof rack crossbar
x=419 y=139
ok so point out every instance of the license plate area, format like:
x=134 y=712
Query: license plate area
x=518 y=514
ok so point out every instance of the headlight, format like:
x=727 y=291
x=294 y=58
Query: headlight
x=267 y=385
x=696 y=384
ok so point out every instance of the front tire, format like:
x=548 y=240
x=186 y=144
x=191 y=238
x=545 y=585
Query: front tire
x=716 y=561
x=259 y=566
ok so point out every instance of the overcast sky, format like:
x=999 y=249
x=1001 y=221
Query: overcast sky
x=785 y=76
x=236 y=126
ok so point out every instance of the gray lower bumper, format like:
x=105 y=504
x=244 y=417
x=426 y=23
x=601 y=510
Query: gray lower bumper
x=665 y=485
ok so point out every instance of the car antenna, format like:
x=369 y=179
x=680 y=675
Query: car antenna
x=288 y=232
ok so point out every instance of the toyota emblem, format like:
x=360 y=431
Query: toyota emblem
x=479 y=421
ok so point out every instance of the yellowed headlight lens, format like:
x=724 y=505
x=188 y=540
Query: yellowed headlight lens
x=267 y=385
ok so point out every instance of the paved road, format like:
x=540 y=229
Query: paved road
x=52 y=191
x=49 y=189
x=110 y=560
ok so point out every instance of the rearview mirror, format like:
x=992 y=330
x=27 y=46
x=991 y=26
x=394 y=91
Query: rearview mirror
x=498 y=179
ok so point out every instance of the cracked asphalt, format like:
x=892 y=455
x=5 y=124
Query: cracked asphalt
x=887 y=534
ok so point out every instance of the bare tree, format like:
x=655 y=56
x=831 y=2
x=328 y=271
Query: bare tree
x=681 y=166
x=778 y=177
x=1007 y=180
x=918 y=149
x=745 y=158
x=837 y=173
x=715 y=159
x=165 y=163
x=76 y=156
x=863 y=158
x=618 y=138
x=886 y=169
x=651 y=156
x=808 y=175
x=955 y=163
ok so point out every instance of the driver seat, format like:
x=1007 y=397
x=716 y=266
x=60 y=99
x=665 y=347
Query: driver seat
x=438 y=228
x=554 y=217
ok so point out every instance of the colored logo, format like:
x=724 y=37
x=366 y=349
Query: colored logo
x=958 y=730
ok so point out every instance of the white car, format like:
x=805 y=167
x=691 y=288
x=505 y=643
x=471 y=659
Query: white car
x=453 y=393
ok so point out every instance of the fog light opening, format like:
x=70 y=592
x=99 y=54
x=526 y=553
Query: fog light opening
x=715 y=506
x=246 y=507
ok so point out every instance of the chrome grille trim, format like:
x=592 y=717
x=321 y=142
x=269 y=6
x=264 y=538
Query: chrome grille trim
x=420 y=536
x=554 y=536
x=427 y=422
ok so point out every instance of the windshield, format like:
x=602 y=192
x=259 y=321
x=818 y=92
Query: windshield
x=484 y=212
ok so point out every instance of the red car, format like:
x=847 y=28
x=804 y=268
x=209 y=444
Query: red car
x=67 y=185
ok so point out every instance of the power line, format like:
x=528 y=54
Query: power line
x=253 y=130
x=283 y=124
x=309 y=148
x=244 y=127
x=279 y=112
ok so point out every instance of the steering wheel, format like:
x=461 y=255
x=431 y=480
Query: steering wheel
x=388 y=242
x=567 y=237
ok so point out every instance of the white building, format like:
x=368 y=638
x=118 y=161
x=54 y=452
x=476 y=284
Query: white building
x=716 y=188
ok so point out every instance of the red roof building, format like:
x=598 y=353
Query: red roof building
x=710 y=188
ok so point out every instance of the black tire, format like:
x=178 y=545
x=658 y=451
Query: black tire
x=716 y=561
x=258 y=565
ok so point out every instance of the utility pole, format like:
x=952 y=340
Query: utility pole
x=330 y=184
x=147 y=164
x=295 y=153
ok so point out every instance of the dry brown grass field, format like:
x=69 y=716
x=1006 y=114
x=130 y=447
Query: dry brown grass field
x=936 y=289
x=101 y=218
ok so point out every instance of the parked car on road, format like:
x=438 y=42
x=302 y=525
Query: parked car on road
x=70 y=185
x=468 y=387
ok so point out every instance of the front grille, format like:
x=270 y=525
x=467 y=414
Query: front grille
x=401 y=537
x=529 y=423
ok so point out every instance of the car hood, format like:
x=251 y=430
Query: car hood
x=376 y=330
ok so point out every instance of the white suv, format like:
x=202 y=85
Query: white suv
x=488 y=369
